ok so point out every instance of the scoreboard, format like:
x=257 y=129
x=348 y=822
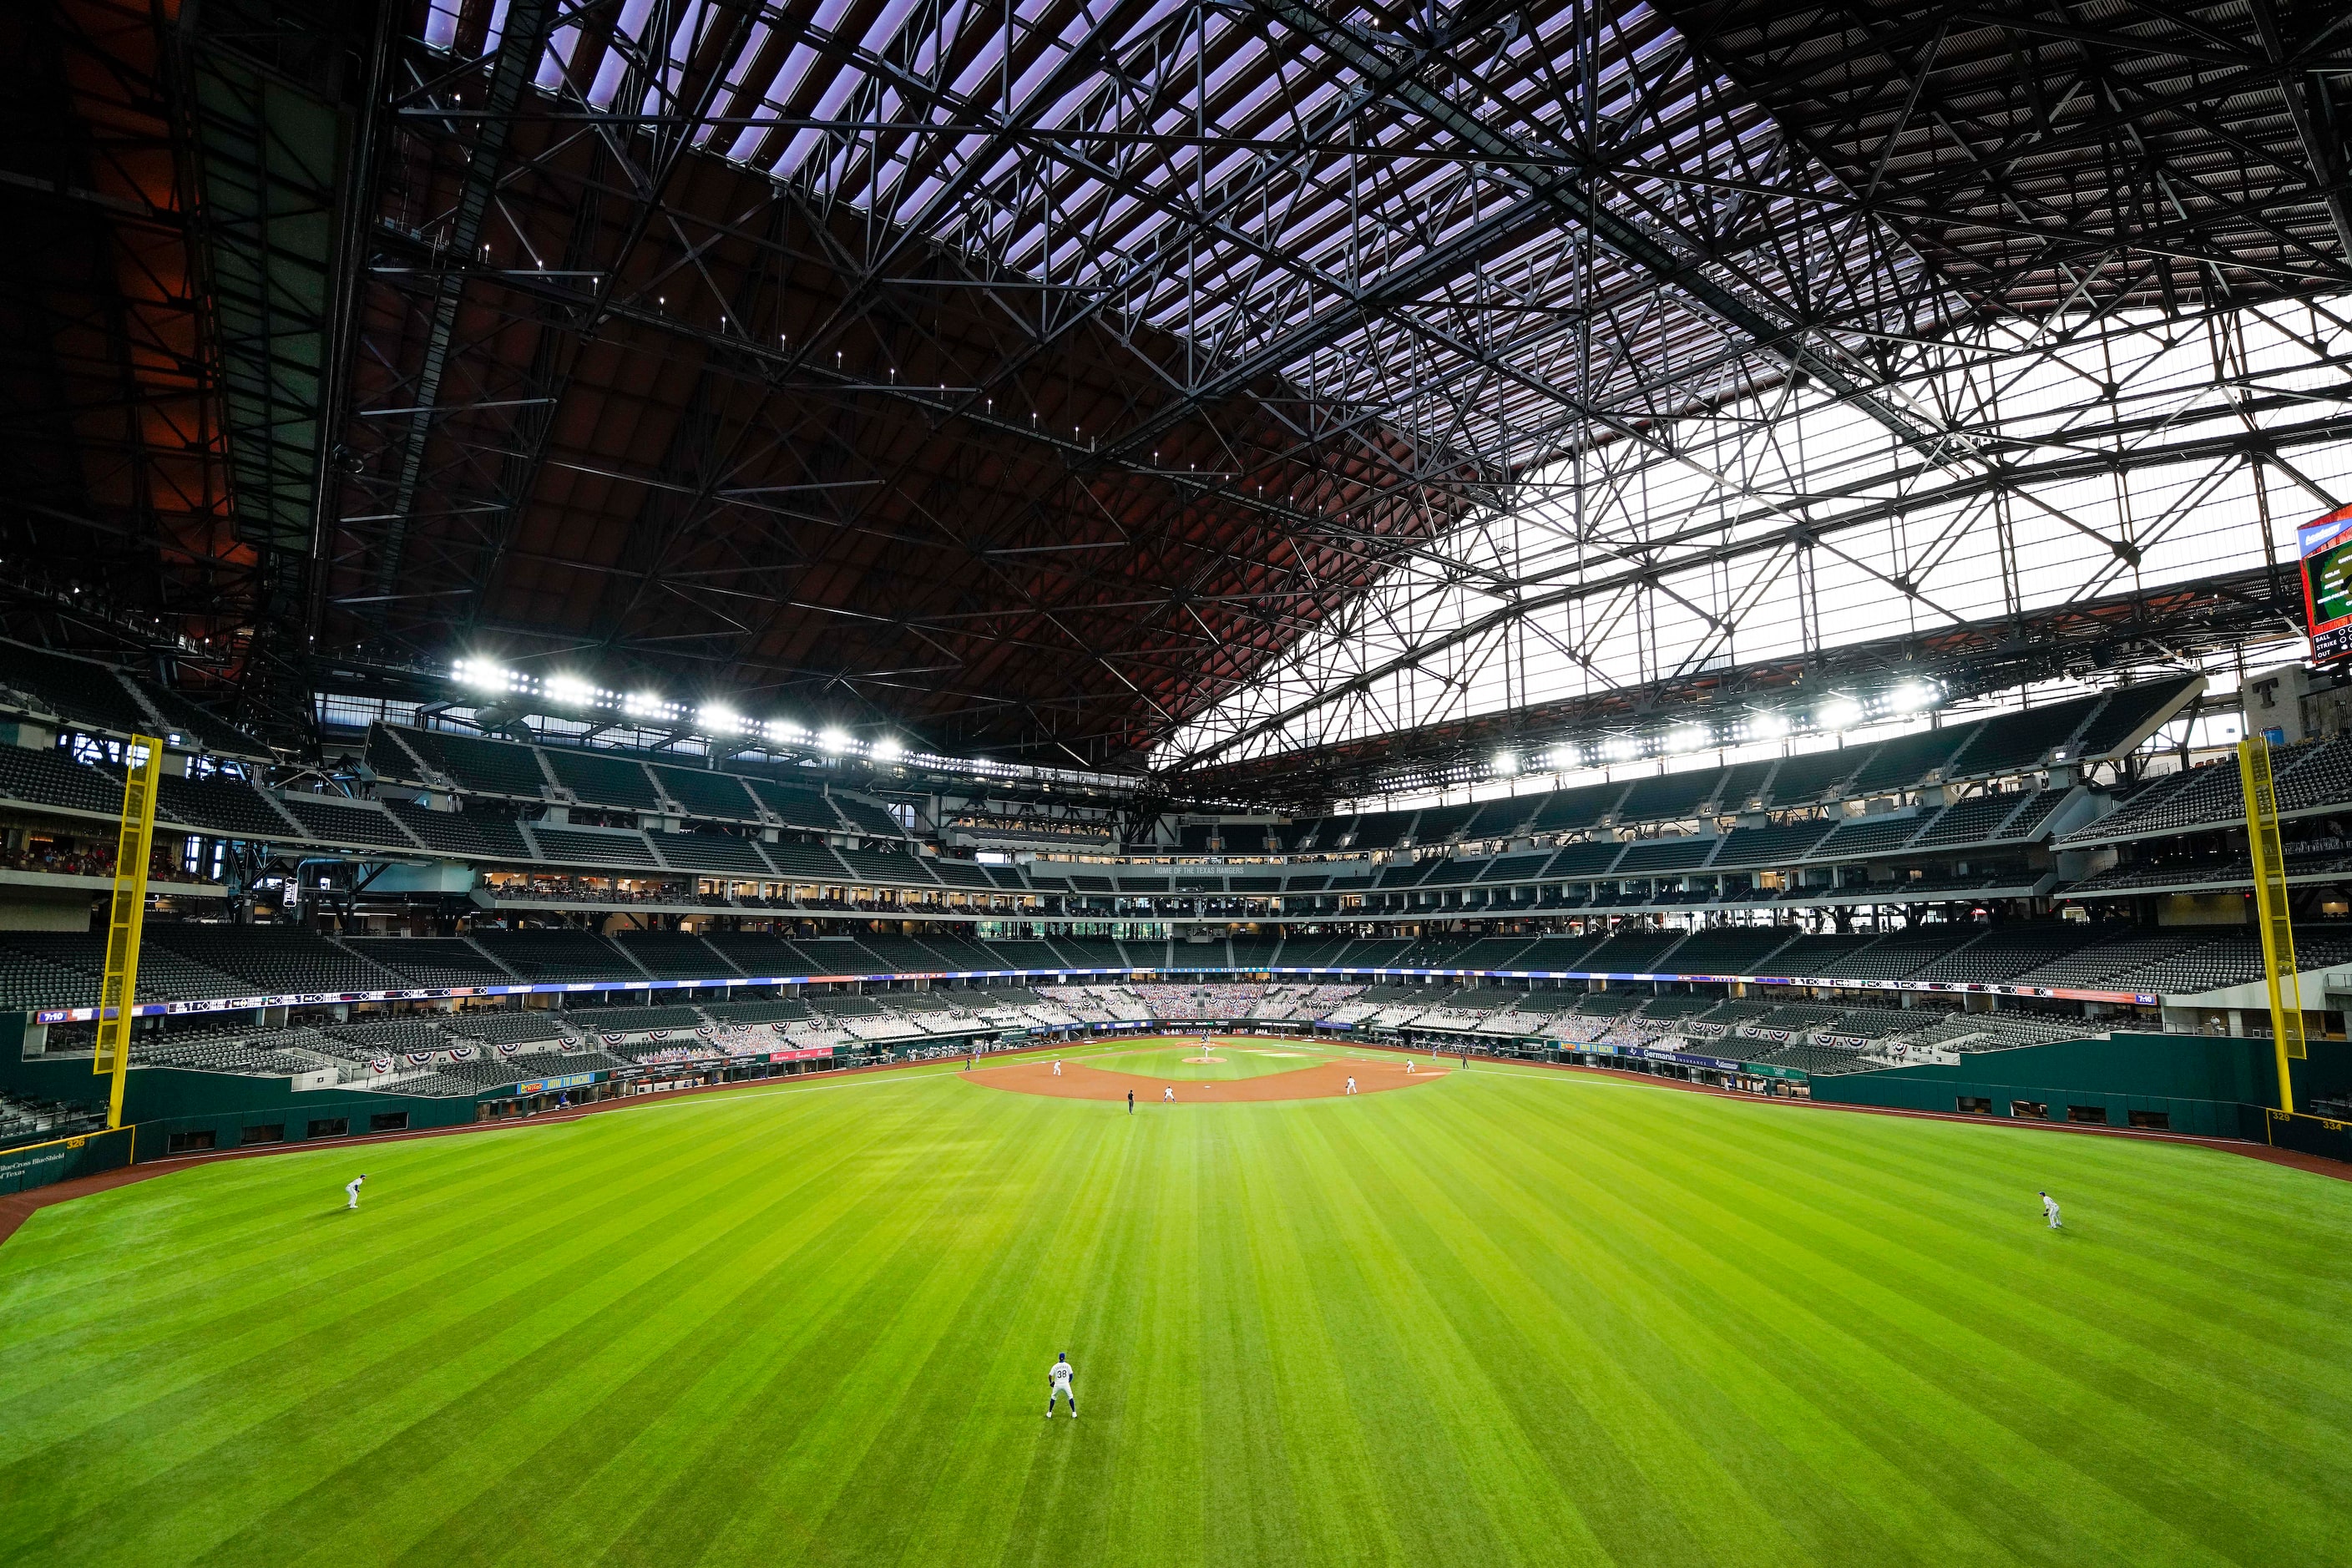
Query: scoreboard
x=2327 y=550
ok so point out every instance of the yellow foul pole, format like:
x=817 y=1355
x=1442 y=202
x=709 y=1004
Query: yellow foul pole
x=2269 y=900
x=119 y=987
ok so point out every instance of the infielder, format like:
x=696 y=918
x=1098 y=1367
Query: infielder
x=1057 y=1381
x=2049 y=1211
x=1168 y=1093
x=1057 y=1069
x=1351 y=1083
x=352 y=1190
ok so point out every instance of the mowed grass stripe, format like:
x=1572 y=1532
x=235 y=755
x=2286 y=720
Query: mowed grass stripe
x=1513 y=1317
x=1296 y=1432
x=1422 y=1359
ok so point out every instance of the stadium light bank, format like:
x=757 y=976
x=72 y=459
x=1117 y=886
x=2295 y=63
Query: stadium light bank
x=1832 y=714
x=721 y=725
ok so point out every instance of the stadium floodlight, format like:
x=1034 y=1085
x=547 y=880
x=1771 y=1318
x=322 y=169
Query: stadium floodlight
x=1838 y=713
x=1689 y=738
x=483 y=674
x=783 y=732
x=642 y=705
x=1506 y=762
x=1565 y=757
x=887 y=750
x=1621 y=747
x=832 y=738
x=1767 y=725
x=570 y=691
x=1911 y=696
x=718 y=719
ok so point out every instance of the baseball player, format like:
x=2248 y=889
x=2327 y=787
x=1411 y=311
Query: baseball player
x=352 y=1190
x=1057 y=1381
x=2049 y=1211
x=1057 y=1069
x=1351 y=1083
x=1168 y=1093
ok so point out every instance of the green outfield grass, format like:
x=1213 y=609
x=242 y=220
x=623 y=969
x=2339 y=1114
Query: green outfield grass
x=1252 y=1058
x=1512 y=1317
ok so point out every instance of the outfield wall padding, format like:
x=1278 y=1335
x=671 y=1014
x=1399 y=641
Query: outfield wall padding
x=2210 y=1085
x=30 y=1165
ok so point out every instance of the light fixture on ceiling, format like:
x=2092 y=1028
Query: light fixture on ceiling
x=570 y=691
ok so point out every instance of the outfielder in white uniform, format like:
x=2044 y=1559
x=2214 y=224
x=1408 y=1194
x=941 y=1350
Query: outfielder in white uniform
x=1057 y=1381
x=2049 y=1211
x=352 y=1190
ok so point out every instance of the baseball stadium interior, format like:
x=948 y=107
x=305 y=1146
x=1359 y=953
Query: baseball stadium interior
x=550 y=595
x=628 y=547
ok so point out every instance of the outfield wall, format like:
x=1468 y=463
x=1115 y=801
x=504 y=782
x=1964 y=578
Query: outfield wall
x=2210 y=1085
x=26 y=1166
x=163 y=1102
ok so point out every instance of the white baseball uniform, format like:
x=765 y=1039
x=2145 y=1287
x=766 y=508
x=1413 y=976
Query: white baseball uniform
x=1060 y=1372
x=352 y=1192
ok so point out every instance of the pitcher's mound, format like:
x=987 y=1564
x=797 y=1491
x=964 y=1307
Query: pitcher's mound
x=1321 y=1082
